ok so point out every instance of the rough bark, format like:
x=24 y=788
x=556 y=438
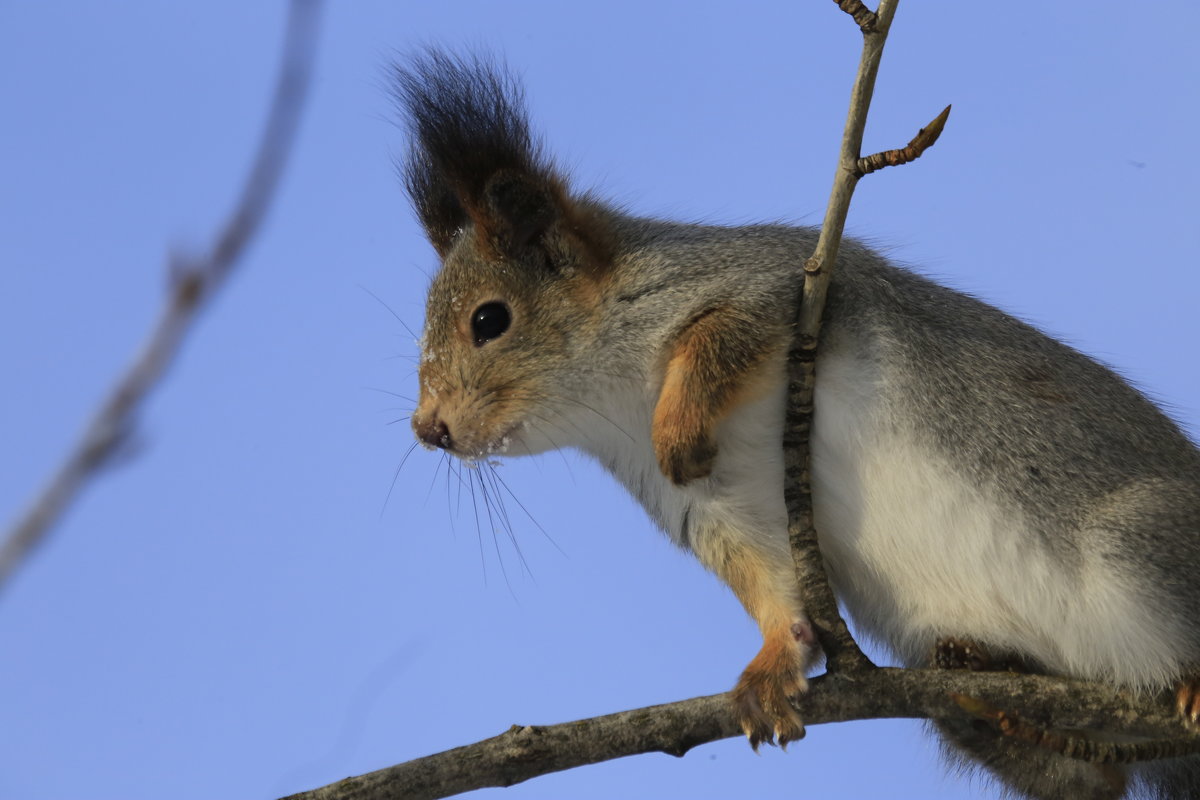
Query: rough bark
x=526 y=751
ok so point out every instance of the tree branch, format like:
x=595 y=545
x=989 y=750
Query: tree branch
x=192 y=283
x=525 y=752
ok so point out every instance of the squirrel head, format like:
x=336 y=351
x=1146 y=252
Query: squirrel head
x=511 y=313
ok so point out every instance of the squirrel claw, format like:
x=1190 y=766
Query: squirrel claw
x=757 y=733
x=761 y=728
x=1187 y=701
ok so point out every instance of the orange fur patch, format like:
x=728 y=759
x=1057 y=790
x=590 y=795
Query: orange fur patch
x=709 y=368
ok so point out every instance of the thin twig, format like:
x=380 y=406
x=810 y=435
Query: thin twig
x=525 y=752
x=841 y=651
x=863 y=16
x=193 y=282
x=910 y=152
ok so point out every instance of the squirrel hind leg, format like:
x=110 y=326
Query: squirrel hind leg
x=1025 y=769
x=1177 y=779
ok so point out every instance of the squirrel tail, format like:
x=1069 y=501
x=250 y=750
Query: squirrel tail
x=1032 y=771
x=1029 y=771
x=1177 y=779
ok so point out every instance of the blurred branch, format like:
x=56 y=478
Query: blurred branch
x=192 y=283
x=525 y=752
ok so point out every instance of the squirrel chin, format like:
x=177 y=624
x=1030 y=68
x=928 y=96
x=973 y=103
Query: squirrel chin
x=507 y=443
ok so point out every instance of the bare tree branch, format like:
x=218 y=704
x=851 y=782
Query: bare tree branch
x=193 y=282
x=525 y=752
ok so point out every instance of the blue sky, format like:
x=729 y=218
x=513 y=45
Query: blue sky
x=242 y=610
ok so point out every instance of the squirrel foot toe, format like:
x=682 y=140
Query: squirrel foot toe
x=956 y=653
x=952 y=653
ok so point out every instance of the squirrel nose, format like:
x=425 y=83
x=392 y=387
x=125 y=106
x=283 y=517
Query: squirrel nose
x=434 y=433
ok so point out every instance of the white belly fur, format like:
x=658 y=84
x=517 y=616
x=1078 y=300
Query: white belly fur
x=917 y=552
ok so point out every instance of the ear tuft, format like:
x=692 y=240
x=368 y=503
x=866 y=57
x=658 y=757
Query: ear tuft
x=474 y=163
x=469 y=126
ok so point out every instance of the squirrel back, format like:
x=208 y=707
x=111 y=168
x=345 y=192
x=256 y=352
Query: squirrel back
x=972 y=477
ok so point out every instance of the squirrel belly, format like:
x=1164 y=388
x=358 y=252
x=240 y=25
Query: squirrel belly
x=918 y=550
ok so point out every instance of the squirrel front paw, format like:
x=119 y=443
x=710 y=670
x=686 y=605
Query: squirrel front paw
x=684 y=459
x=762 y=699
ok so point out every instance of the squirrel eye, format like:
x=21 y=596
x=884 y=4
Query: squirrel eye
x=489 y=321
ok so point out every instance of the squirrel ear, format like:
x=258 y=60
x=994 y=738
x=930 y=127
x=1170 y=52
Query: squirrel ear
x=516 y=209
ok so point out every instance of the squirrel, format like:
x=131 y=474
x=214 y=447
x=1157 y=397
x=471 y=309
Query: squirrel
x=978 y=487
